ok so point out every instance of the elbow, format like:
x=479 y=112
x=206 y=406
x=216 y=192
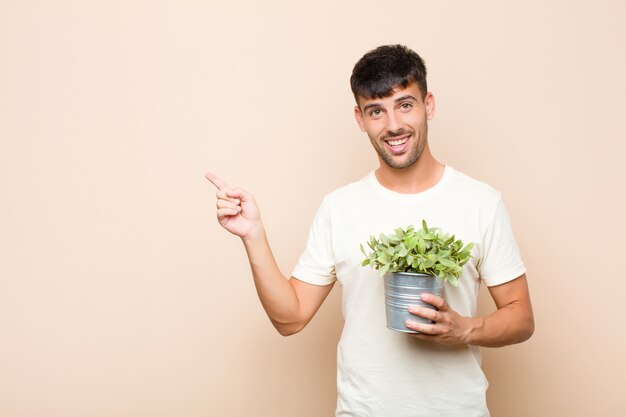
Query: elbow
x=286 y=333
x=525 y=325
x=529 y=330
x=526 y=331
x=287 y=329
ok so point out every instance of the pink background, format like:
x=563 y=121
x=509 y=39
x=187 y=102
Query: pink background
x=121 y=296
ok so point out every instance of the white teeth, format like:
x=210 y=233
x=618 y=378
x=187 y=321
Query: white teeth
x=397 y=142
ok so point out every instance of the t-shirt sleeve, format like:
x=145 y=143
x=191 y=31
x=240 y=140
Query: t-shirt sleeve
x=500 y=261
x=317 y=264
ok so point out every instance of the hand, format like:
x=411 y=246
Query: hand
x=237 y=211
x=449 y=327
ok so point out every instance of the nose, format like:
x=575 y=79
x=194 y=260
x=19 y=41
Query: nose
x=393 y=122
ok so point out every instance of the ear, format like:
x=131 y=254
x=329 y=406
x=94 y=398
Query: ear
x=359 y=118
x=429 y=103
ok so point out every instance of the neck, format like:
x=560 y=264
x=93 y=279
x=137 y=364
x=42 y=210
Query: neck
x=422 y=175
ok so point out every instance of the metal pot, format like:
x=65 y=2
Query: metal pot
x=404 y=289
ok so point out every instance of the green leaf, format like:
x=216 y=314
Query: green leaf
x=425 y=250
x=447 y=262
x=394 y=240
x=421 y=246
x=411 y=243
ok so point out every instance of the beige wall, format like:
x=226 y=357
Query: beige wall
x=121 y=296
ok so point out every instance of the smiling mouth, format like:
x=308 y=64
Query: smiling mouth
x=397 y=142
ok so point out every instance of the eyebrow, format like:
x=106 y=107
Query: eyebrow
x=378 y=105
x=371 y=106
x=406 y=97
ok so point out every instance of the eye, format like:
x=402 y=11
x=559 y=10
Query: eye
x=406 y=106
x=375 y=113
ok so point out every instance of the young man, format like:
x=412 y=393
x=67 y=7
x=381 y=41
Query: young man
x=383 y=372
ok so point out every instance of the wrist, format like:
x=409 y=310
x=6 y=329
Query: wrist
x=255 y=234
x=474 y=326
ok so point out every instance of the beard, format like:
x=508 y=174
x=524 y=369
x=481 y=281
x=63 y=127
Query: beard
x=413 y=154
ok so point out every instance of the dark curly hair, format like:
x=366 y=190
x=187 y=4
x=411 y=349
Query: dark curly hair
x=382 y=69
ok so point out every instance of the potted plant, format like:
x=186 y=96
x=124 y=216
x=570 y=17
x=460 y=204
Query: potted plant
x=414 y=261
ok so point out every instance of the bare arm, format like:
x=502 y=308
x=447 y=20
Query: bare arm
x=289 y=303
x=511 y=323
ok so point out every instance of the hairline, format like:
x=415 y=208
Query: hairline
x=398 y=86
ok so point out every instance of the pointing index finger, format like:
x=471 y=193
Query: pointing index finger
x=218 y=183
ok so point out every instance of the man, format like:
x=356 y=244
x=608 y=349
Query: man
x=381 y=372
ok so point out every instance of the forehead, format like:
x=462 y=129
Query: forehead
x=412 y=90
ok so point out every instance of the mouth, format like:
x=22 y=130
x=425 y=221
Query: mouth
x=397 y=144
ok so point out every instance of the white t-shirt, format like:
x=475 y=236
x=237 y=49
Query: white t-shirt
x=385 y=373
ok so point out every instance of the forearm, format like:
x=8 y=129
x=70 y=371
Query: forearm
x=277 y=295
x=238 y=213
x=510 y=324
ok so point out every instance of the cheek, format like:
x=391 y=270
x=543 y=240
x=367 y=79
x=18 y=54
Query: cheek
x=417 y=120
x=374 y=128
x=414 y=119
